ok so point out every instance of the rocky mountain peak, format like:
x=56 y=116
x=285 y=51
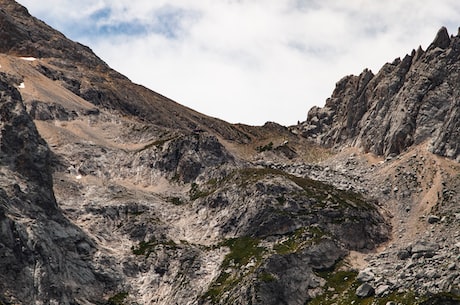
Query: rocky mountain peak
x=409 y=101
x=24 y=35
x=442 y=39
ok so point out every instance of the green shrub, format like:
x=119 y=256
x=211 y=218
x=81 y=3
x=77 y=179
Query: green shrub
x=267 y=147
x=118 y=299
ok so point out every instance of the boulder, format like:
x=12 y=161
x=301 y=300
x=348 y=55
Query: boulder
x=424 y=248
x=403 y=254
x=365 y=290
x=365 y=275
x=433 y=219
x=382 y=290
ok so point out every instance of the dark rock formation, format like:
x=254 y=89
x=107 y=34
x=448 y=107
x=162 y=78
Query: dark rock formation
x=408 y=102
x=311 y=225
x=44 y=258
x=43 y=112
x=22 y=149
x=295 y=278
x=186 y=157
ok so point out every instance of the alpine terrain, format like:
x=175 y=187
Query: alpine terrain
x=113 y=194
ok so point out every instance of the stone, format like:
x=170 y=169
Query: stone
x=442 y=40
x=365 y=275
x=382 y=290
x=365 y=290
x=425 y=249
x=433 y=219
x=403 y=254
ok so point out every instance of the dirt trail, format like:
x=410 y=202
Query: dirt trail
x=407 y=187
x=410 y=209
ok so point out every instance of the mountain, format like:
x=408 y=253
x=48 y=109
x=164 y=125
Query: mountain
x=409 y=102
x=114 y=194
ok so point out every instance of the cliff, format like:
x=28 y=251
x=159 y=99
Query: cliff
x=408 y=102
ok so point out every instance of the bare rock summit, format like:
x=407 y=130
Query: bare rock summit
x=409 y=101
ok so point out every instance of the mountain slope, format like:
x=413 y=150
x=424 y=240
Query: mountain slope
x=86 y=75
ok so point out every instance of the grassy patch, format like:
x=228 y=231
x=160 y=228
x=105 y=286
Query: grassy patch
x=341 y=285
x=144 y=248
x=267 y=147
x=208 y=188
x=147 y=247
x=300 y=239
x=318 y=190
x=243 y=250
x=266 y=277
x=442 y=299
x=176 y=200
x=195 y=192
x=118 y=299
x=339 y=289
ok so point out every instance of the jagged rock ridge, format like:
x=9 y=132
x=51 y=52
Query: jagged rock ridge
x=406 y=103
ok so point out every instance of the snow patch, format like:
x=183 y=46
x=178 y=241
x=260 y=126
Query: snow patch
x=21 y=86
x=29 y=58
x=78 y=177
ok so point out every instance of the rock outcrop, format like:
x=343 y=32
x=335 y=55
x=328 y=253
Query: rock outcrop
x=44 y=257
x=408 y=102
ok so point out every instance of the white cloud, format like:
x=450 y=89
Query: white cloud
x=248 y=61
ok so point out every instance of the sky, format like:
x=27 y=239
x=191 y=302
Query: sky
x=248 y=61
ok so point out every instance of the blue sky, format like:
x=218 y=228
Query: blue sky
x=248 y=61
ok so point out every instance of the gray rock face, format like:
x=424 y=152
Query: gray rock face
x=407 y=102
x=295 y=278
x=22 y=149
x=186 y=157
x=44 y=258
x=423 y=248
x=43 y=112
